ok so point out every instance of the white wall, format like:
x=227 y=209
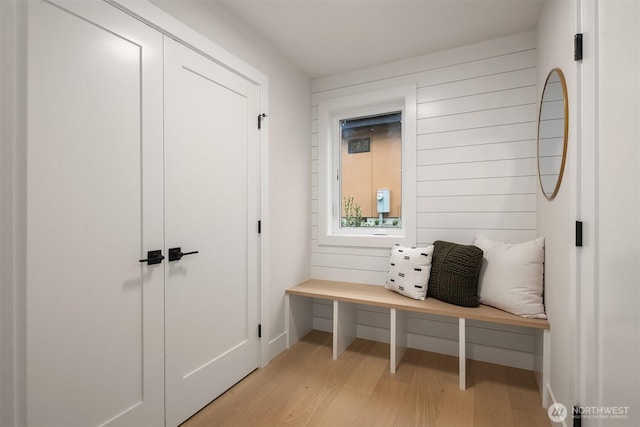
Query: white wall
x=556 y=218
x=476 y=174
x=289 y=158
x=618 y=208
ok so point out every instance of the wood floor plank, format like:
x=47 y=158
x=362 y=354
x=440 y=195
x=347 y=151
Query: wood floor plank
x=456 y=408
x=384 y=404
x=303 y=386
x=421 y=403
x=407 y=367
x=366 y=375
x=344 y=409
x=268 y=407
x=325 y=413
x=491 y=403
x=317 y=395
x=433 y=375
x=417 y=408
x=523 y=394
x=446 y=366
x=256 y=383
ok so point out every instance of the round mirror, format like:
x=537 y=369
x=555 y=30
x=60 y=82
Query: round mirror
x=553 y=129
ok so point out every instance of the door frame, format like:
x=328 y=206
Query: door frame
x=171 y=27
x=13 y=210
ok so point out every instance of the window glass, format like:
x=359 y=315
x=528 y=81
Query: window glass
x=371 y=171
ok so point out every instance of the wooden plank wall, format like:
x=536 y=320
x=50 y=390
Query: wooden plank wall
x=476 y=173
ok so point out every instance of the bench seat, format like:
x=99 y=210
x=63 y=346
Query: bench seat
x=346 y=295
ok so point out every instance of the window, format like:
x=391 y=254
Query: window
x=366 y=174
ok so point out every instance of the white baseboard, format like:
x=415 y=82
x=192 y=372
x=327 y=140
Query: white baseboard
x=276 y=346
x=553 y=400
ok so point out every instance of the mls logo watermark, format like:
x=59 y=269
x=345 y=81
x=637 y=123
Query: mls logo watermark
x=557 y=412
x=601 y=412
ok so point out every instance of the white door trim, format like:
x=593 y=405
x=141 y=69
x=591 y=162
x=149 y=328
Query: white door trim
x=585 y=206
x=13 y=111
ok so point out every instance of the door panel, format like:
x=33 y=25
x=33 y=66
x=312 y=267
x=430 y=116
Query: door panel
x=211 y=192
x=94 y=193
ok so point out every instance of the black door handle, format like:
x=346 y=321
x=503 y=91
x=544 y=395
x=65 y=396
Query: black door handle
x=176 y=254
x=153 y=257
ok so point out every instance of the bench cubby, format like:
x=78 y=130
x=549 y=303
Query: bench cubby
x=345 y=296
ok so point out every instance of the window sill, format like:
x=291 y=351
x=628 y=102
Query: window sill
x=372 y=239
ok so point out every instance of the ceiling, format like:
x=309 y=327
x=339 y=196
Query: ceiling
x=326 y=37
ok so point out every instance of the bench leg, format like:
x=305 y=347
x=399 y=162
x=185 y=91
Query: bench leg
x=344 y=326
x=462 y=357
x=398 y=337
x=298 y=317
x=287 y=318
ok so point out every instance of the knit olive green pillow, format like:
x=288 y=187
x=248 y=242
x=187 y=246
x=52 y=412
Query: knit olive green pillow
x=455 y=270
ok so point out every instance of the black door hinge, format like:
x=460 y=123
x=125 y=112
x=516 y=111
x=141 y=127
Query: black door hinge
x=260 y=118
x=577 y=47
x=579 y=234
x=259 y=331
x=577 y=419
x=259 y=227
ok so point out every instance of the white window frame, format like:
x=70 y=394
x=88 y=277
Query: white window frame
x=330 y=112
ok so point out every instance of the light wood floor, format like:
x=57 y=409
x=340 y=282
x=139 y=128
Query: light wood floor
x=304 y=386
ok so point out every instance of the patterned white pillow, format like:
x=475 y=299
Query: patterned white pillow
x=409 y=271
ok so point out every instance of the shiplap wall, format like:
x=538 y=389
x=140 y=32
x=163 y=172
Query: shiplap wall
x=476 y=174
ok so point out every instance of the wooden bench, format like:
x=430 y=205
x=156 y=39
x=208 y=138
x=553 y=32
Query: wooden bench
x=345 y=296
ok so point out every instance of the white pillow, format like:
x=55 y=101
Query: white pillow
x=511 y=276
x=409 y=271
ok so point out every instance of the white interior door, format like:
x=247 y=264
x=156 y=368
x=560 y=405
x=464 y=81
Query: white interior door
x=94 y=182
x=211 y=206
